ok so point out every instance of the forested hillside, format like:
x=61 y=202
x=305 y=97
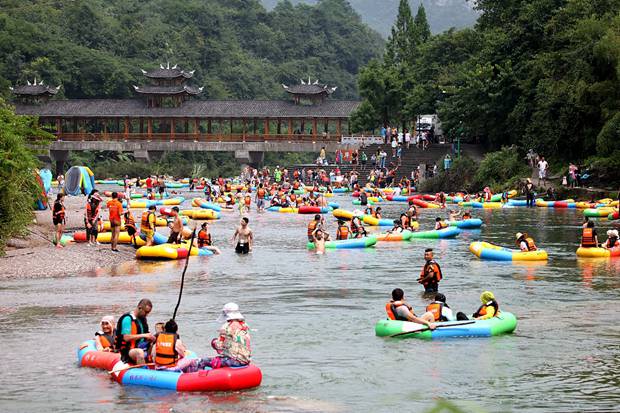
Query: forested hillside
x=539 y=74
x=96 y=48
x=380 y=14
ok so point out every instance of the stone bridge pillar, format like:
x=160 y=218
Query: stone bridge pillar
x=60 y=157
x=253 y=158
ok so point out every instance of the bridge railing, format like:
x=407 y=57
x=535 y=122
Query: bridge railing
x=195 y=137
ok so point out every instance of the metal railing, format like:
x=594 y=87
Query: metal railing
x=193 y=137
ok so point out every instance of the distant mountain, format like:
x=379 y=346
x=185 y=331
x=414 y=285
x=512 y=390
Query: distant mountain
x=381 y=14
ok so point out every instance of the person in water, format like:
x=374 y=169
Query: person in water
x=439 y=224
x=525 y=242
x=147 y=224
x=132 y=333
x=104 y=338
x=244 y=237
x=397 y=228
x=343 y=230
x=398 y=309
x=466 y=215
x=589 y=238
x=316 y=223
x=440 y=310
x=319 y=240
x=454 y=215
x=176 y=227
x=168 y=352
x=204 y=240
x=489 y=307
x=357 y=228
x=431 y=273
x=612 y=239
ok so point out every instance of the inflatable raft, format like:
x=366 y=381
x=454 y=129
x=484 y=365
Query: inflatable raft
x=170 y=252
x=598 y=252
x=202 y=203
x=200 y=214
x=598 y=212
x=504 y=323
x=449 y=232
x=395 y=236
x=365 y=242
x=224 y=379
x=488 y=251
x=466 y=223
x=305 y=209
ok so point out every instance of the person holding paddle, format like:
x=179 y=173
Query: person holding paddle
x=398 y=309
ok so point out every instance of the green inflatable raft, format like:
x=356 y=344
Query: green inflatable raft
x=504 y=323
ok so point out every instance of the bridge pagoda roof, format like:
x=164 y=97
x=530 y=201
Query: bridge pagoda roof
x=35 y=89
x=310 y=88
x=167 y=72
x=121 y=108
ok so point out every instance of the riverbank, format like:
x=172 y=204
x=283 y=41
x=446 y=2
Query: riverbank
x=34 y=256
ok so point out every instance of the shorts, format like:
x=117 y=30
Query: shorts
x=149 y=190
x=242 y=248
x=148 y=233
x=173 y=238
x=431 y=288
x=260 y=203
x=131 y=231
x=58 y=221
x=114 y=224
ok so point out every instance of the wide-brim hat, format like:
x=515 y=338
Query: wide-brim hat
x=230 y=312
x=518 y=235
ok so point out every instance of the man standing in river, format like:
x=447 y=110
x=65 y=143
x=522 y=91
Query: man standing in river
x=431 y=273
x=244 y=237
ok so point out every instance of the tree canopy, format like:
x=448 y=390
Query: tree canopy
x=96 y=48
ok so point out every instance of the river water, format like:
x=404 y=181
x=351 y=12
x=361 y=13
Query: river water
x=312 y=320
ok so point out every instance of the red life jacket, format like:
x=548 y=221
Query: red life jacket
x=204 y=238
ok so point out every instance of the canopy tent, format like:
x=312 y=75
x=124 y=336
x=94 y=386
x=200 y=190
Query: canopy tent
x=79 y=179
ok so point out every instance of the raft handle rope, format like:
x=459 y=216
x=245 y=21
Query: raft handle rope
x=425 y=328
x=189 y=254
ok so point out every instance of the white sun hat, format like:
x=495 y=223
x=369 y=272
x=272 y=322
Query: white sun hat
x=230 y=312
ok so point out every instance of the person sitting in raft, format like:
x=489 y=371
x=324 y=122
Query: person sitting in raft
x=130 y=226
x=206 y=240
x=489 y=307
x=412 y=212
x=233 y=344
x=313 y=225
x=398 y=309
x=397 y=228
x=377 y=213
x=343 y=230
x=453 y=215
x=525 y=242
x=168 y=352
x=176 y=227
x=612 y=239
x=441 y=199
x=431 y=273
x=466 y=215
x=318 y=239
x=104 y=338
x=439 y=224
x=369 y=211
x=132 y=333
x=363 y=198
x=357 y=228
x=440 y=310
x=589 y=238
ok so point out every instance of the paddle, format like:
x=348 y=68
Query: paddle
x=189 y=254
x=130 y=367
x=424 y=328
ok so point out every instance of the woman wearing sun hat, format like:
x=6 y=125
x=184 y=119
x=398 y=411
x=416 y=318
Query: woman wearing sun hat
x=104 y=338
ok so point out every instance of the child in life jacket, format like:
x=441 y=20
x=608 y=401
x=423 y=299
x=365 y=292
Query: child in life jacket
x=168 y=350
x=439 y=224
x=612 y=239
x=104 y=338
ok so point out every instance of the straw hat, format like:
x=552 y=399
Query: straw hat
x=518 y=235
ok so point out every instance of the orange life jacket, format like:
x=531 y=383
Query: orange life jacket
x=261 y=193
x=390 y=309
x=343 y=232
x=295 y=185
x=434 y=267
x=293 y=198
x=436 y=307
x=130 y=221
x=123 y=346
x=587 y=238
x=107 y=340
x=530 y=244
x=204 y=238
x=482 y=311
x=165 y=350
x=248 y=200
x=145 y=223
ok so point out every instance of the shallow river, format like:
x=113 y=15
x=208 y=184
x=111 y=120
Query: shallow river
x=312 y=320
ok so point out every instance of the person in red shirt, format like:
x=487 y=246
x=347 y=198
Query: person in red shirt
x=149 y=185
x=115 y=210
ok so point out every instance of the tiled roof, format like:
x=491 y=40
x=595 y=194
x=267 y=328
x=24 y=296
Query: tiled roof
x=167 y=73
x=35 y=90
x=94 y=108
x=304 y=89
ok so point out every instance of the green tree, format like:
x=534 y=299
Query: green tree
x=18 y=186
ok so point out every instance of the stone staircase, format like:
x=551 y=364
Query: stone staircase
x=411 y=159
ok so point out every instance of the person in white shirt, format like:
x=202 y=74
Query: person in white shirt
x=542 y=169
x=407 y=139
